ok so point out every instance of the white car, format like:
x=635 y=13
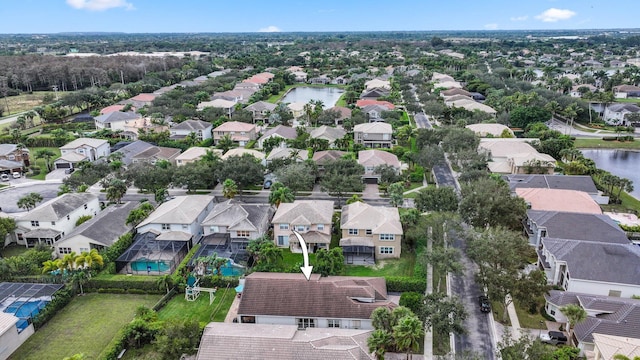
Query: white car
x=16 y=175
x=4 y=177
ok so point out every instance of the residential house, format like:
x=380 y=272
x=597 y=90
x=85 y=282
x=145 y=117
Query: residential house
x=374 y=93
x=626 y=91
x=364 y=102
x=297 y=109
x=377 y=83
x=287 y=153
x=112 y=108
x=325 y=156
x=141 y=100
x=202 y=129
x=590 y=267
x=194 y=154
x=239 y=132
x=255 y=341
x=133 y=128
x=14 y=153
x=610 y=320
x=455 y=91
x=559 y=200
x=238 y=222
x=592 y=63
x=515 y=156
x=311 y=218
x=11 y=337
x=261 y=110
x=115 y=121
x=331 y=134
x=582 y=183
x=237 y=96
x=343 y=113
x=617 y=63
x=340 y=80
x=321 y=302
x=140 y=151
x=580 y=89
x=50 y=221
x=438 y=77
x=471 y=105
x=371 y=159
x=226 y=105
x=8 y=167
x=183 y=214
x=373 y=135
x=281 y=131
x=617 y=114
x=374 y=112
x=320 y=80
x=370 y=233
x=98 y=233
x=300 y=76
x=569 y=225
x=241 y=151
x=490 y=130
x=80 y=150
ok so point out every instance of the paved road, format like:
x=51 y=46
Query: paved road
x=422 y=121
x=9 y=197
x=443 y=176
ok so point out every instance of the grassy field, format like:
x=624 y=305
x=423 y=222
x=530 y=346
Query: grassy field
x=41 y=162
x=629 y=100
x=601 y=144
x=179 y=308
x=86 y=325
x=528 y=320
x=25 y=102
x=629 y=204
x=405 y=266
x=13 y=250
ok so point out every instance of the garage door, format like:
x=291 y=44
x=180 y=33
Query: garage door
x=63 y=165
x=370 y=180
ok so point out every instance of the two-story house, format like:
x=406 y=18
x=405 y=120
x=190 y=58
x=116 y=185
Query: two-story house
x=140 y=151
x=283 y=132
x=12 y=152
x=322 y=302
x=201 y=129
x=238 y=131
x=373 y=135
x=311 y=218
x=183 y=214
x=80 y=150
x=582 y=183
x=194 y=154
x=370 y=233
x=261 y=110
x=331 y=134
x=115 y=121
x=371 y=159
x=238 y=222
x=49 y=222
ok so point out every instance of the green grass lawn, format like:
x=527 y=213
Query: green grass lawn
x=528 y=320
x=629 y=100
x=629 y=204
x=12 y=250
x=179 y=308
x=41 y=162
x=441 y=344
x=290 y=259
x=581 y=143
x=405 y=266
x=86 y=325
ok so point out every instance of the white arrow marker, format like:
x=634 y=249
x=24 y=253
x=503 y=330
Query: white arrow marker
x=306 y=269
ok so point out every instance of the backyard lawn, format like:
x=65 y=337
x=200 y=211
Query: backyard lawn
x=41 y=162
x=601 y=144
x=405 y=266
x=86 y=325
x=12 y=250
x=179 y=308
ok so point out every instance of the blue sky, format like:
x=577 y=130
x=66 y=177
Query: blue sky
x=135 y=16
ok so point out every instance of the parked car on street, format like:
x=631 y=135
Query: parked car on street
x=4 y=177
x=485 y=305
x=553 y=338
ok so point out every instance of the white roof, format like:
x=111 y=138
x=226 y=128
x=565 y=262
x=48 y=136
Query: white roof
x=235 y=126
x=304 y=212
x=241 y=151
x=610 y=345
x=471 y=105
x=282 y=153
x=179 y=210
x=296 y=106
x=377 y=83
x=217 y=103
x=375 y=127
x=196 y=152
x=485 y=129
x=84 y=141
x=7 y=321
x=377 y=157
x=380 y=219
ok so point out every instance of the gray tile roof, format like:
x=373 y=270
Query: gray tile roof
x=304 y=212
x=59 y=207
x=579 y=226
x=106 y=227
x=280 y=294
x=240 y=216
x=327 y=132
x=6 y=149
x=192 y=125
x=595 y=261
x=179 y=210
x=284 y=131
x=564 y=182
x=223 y=341
x=116 y=116
x=133 y=149
x=261 y=106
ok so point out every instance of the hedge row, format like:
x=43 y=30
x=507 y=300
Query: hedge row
x=618 y=138
x=58 y=302
x=403 y=284
x=120 y=286
x=213 y=281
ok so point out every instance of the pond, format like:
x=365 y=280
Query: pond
x=328 y=95
x=623 y=163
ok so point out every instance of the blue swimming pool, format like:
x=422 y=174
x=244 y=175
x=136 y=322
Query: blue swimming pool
x=231 y=269
x=25 y=310
x=150 y=265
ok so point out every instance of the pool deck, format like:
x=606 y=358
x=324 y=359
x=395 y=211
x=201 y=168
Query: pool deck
x=233 y=310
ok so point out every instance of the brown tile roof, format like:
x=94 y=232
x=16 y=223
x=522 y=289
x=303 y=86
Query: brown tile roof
x=559 y=200
x=360 y=103
x=280 y=294
x=144 y=97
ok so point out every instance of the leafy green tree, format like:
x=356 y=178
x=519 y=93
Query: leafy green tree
x=444 y=259
x=488 y=202
x=298 y=176
x=280 y=194
x=47 y=155
x=522 y=116
x=437 y=199
x=245 y=170
x=329 y=262
x=443 y=313
x=149 y=177
x=265 y=254
x=353 y=199
x=29 y=201
x=229 y=189
x=79 y=279
x=225 y=143
x=194 y=175
x=116 y=190
x=342 y=176
x=138 y=214
x=178 y=337
x=388 y=174
x=429 y=156
x=379 y=342
x=165 y=282
x=7 y=226
x=396 y=194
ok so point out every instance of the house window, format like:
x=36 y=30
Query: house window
x=552 y=312
x=166 y=226
x=85 y=206
x=320 y=226
x=333 y=323
x=355 y=324
x=284 y=226
x=304 y=323
x=543 y=233
x=35 y=223
x=84 y=249
x=386 y=250
x=283 y=240
x=53 y=223
x=387 y=237
x=248 y=319
x=185 y=226
x=64 y=250
x=301 y=228
x=353 y=231
x=243 y=233
x=214 y=229
x=368 y=231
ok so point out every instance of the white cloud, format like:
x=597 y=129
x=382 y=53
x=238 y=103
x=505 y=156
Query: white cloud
x=519 y=18
x=99 y=5
x=554 y=15
x=270 y=28
x=493 y=26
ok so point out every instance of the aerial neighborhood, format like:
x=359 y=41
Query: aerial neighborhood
x=309 y=196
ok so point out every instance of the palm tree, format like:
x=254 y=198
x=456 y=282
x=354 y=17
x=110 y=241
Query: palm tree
x=29 y=201
x=116 y=190
x=47 y=155
x=229 y=189
x=408 y=333
x=353 y=199
x=575 y=314
x=87 y=258
x=379 y=342
x=553 y=107
x=572 y=112
x=80 y=278
x=69 y=260
x=280 y=194
x=225 y=143
x=218 y=263
x=271 y=253
x=51 y=265
x=165 y=282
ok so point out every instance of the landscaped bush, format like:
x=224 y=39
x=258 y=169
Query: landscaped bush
x=179 y=274
x=118 y=248
x=120 y=286
x=82 y=219
x=411 y=300
x=403 y=284
x=61 y=298
x=609 y=138
x=213 y=281
x=417 y=175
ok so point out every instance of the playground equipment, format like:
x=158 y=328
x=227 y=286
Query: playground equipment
x=192 y=290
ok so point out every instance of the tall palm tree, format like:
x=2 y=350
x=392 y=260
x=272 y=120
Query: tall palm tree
x=572 y=112
x=379 y=342
x=575 y=314
x=165 y=282
x=408 y=333
x=80 y=278
x=225 y=143
x=69 y=260
x=51 y=265
x=280 y=194
x=88 y=258
x=29 y=201
x=47 y=155
x=229 y=189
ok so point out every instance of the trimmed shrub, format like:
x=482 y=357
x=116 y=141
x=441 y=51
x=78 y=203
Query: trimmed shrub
x=404 y=284
x=57 y=303
x=213 y=281
x=411 y=300
x=119 y=286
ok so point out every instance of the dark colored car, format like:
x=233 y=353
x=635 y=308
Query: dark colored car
x=485 y=305
x=554 y=338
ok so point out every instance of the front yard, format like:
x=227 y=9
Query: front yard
x=86 y=325
x=42 y=162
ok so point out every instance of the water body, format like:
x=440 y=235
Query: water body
x=623 y=163
x=328 y=95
